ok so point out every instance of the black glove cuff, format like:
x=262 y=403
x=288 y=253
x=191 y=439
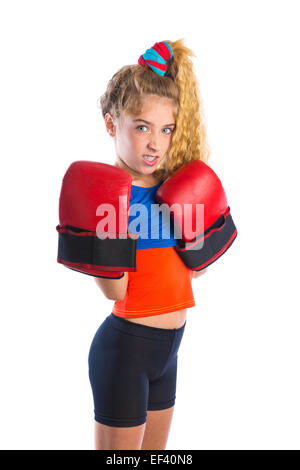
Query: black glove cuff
x=210 y=245
x=80 y=246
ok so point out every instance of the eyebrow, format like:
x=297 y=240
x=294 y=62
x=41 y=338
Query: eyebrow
x=150 y=123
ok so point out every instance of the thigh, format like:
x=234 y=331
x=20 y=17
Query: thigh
x=158 y=425
x=119 y=384
x=162 y=391
x=116 y=438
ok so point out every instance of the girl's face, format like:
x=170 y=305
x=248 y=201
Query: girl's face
x=148 y=134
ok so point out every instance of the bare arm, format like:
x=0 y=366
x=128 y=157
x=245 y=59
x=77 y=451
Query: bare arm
x=113 y=289
x=199 y=273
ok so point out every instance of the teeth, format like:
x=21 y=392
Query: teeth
x=149 y=158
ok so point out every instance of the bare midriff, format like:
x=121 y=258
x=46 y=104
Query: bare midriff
x=169 y=320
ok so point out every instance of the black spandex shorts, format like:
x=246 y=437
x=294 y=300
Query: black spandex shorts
x=132 y=369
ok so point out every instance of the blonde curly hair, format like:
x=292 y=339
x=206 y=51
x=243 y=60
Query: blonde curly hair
x=128 y=85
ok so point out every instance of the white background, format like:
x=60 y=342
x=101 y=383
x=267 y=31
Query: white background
x=238 y=374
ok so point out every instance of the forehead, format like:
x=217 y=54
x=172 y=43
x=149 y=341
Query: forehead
x=156 y=111
x=154 y=103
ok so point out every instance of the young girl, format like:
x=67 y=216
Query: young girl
x=153 y=112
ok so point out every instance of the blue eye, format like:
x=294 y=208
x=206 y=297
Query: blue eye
x=171 y=130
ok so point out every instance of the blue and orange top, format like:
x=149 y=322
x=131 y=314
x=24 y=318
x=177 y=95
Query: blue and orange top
x=162 y=283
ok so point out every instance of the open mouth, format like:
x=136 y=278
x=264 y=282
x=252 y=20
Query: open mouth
x=149 y=160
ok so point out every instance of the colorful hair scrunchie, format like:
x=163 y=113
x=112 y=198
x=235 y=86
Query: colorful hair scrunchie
x=156 y=58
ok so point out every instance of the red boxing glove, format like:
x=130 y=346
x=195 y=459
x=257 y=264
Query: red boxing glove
x=191 y=186
x=101 y=248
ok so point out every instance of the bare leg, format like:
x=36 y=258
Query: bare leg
x=157 y=429
x=117 y=438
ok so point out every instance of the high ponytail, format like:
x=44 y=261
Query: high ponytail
x=189 y=141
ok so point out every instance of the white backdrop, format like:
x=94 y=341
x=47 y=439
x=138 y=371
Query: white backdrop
x=238 y=373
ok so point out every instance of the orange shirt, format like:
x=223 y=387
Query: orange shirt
x=162 y=283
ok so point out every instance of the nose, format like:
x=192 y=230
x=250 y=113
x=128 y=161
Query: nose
x=154 y=143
